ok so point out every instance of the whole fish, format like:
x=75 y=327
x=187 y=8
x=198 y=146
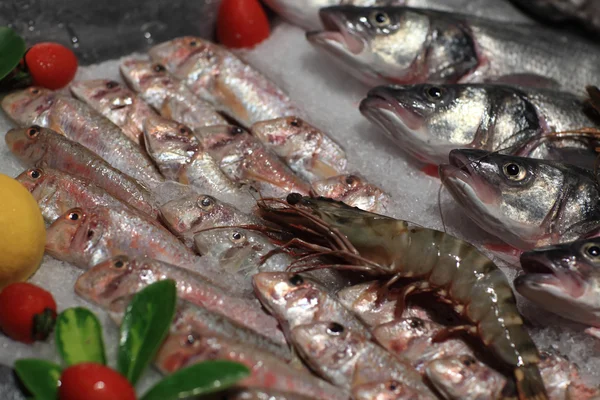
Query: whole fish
x=308 y=151
x=88 y=236
x=80 y=123
x=564 y=279
x=193 y=213
x=267 y=371
x=525 y=202
x=245 y=160
x=435 y=261
x=579 y=12
x=216 y=75
x=353 y=190
x=297 y=300
x=409 y=45
x=168 y=95
x=117 y=103
x=56 y=192
x=413 y=339
x=122 y=276
x=348 y=359
x=190 y=318
x=42 y=147
x=465 y=378
x=428 y=121
x=305 y=13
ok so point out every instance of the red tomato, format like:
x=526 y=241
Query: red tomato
x=27 y=312
x=51 y=65
x=92 y=381
x=242 y=23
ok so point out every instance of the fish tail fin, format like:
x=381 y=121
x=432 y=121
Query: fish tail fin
x=529 y=383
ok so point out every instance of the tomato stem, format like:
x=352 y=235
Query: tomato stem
x=43 y=324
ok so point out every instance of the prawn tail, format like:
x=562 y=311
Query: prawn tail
x=529 y=383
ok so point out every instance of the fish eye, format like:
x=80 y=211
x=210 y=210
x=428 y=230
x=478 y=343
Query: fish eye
x=468 y=361
x=380 y=19
x=190 y=340
x=111 y=84
x=335 y=329
x=592 y=251
x=158 y=68
x=352 y=180
x=393 y=386
x=236 y=130
x=514 y=171
x=184 y=130
x=206 y=202
x=296 y=280
x=34 y=173
x=237 y=237
x=293 y=198
x=416 y=323
x=193 y=43
x=34 y=90
x=74 y=215
x=119 y=264
x=434 y=93
x=33 y=131
x=295 y=122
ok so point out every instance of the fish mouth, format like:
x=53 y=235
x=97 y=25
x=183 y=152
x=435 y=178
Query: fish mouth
x=544 y=273
x=380 y=97
x=336 y=34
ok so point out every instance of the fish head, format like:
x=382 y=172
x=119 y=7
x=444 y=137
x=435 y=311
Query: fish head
x=184 y=55
x=285 y=294
x=148 y=78
x=194 y=213
x=400 y=335
x=510 y=197
x=103 y=94
x=353 y=190
x=460 y=377
x=395 y=44
x=328 y=347
x=280 y=132
x=427 y=121
x=28 y=144
x=388 y=390
x=564 y=279
x=304 y=13
x=27 y=106
x=34 y=180
x=108 y=280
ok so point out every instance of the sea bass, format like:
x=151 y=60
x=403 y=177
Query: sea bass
x=80 y=123
x=267 y=371
x=348 y=359
x=353 y=190
x=88 y=236
x=42 y=147
x=525 y=202
x=564 y=279
x=168 y=95
x=305 y=13
x=216 y=75
x=123 y=276
x=408 y=45
x=428 y=121
x=117 y=103
x=308 y=151
x=56 y=192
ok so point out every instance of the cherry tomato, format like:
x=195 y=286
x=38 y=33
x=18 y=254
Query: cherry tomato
x=27 y=312
x=51 y=65
x=92 y=381
x=242 y=23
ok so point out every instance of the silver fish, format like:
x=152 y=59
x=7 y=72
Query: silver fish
x=525 y=202
x=116 y=102
x=305 y=13
x=42 y=147
x=123 y=276
x=216 y=75
x=168 y=95
x=82 y=124
x=261 y=394
x=564 y=279
x=86 y=237
x=388 y=390
x=348 y=359
x=428 y=121
x=409 y=45
x=308 y=151
x=354 y=190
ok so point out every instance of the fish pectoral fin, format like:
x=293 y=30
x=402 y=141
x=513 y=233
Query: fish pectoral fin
x=446 y=333
x=527 y=80
x=323 y=170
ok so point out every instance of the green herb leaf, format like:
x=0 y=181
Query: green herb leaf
x=40 y=377
x=12 y=48
x=79 y=336
x=203 y=378
x=144 y=327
